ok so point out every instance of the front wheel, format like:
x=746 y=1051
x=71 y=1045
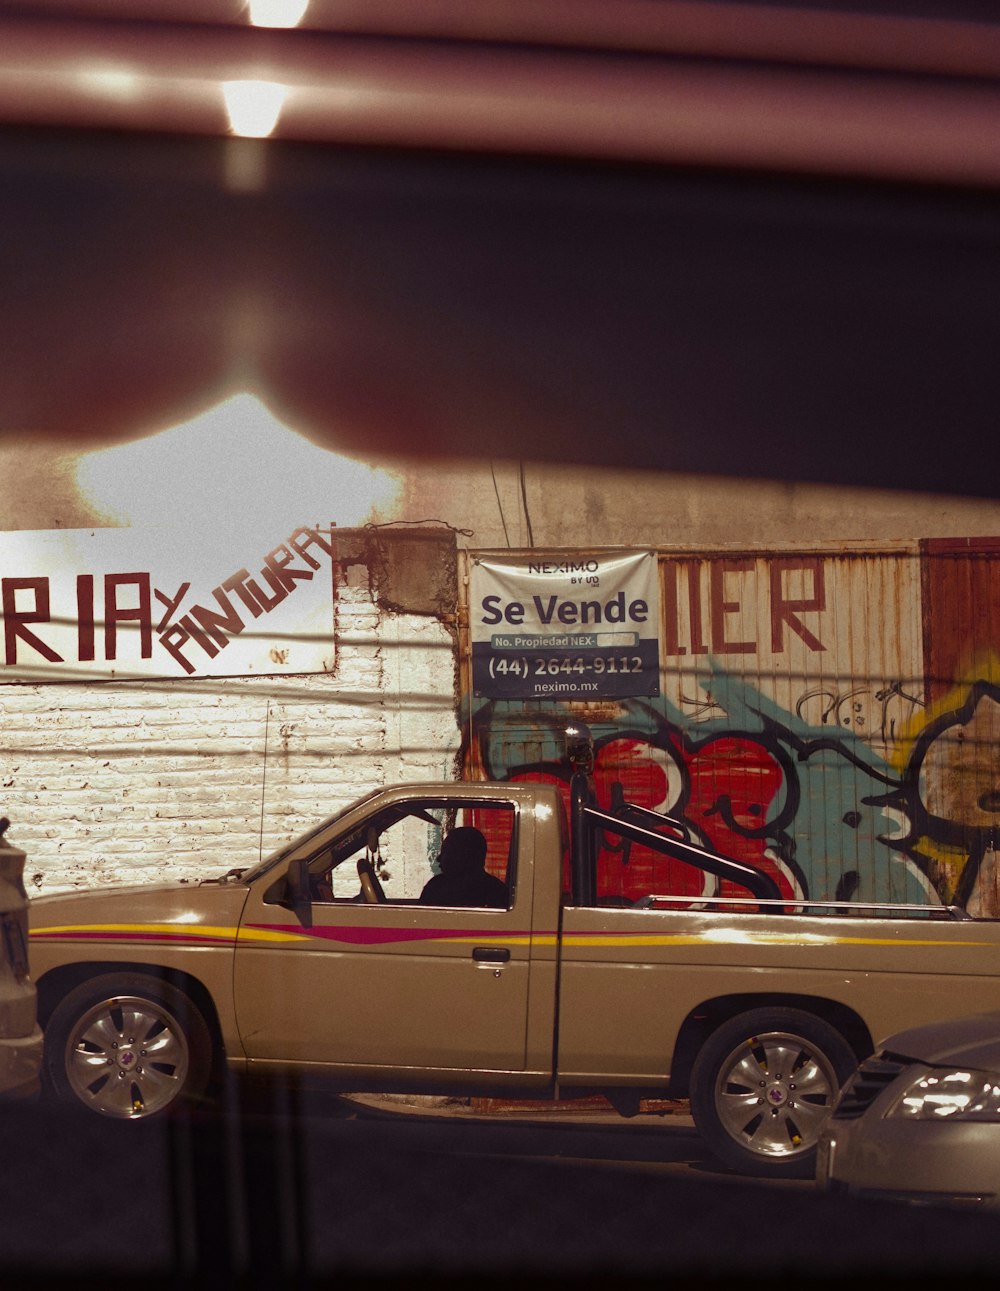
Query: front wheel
x=127 y=1046
x=763 y=1086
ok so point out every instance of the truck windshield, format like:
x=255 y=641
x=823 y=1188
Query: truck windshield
x=303 y=840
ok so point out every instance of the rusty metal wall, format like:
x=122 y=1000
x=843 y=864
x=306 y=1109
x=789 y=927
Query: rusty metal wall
x=831 y=639
x=953 y=764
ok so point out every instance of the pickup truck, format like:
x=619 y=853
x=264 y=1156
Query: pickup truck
x=324 y=961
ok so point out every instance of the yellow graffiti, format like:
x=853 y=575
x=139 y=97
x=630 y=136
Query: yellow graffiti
x=984 y=667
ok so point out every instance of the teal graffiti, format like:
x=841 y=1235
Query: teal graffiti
x=837 y=823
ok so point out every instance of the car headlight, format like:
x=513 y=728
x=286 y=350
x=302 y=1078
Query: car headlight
x=943 y=1093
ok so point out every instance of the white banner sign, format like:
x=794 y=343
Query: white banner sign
x=557 y=626
x=119 y=603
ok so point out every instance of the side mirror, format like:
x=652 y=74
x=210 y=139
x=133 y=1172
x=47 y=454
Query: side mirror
x=297 y=895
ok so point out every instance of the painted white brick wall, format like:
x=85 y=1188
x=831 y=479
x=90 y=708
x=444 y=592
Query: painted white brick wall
x=130 y=782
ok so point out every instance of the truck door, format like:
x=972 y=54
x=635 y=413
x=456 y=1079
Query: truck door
x=369 y=977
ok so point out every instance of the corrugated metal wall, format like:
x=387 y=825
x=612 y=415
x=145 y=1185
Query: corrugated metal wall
x=829 y=716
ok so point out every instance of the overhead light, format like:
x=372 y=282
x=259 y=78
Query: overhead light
x=277 y=13
x=253 y=106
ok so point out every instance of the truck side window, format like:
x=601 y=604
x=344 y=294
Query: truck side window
x=400 y=851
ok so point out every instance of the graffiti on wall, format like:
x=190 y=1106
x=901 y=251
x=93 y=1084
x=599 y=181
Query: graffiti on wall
x=844 y=785
x=949 y=792
x=801 y=794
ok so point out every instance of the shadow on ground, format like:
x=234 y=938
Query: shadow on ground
x=285 y=1193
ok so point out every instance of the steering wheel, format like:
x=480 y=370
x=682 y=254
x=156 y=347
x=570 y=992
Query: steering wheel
x=371 y=888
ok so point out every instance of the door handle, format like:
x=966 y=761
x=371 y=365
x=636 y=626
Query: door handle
x=491 y=954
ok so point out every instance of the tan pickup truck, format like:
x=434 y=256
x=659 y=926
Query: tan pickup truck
x=330 y=959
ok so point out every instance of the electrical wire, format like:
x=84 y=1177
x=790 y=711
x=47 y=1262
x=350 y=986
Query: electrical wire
x=263 y=783
x=524 y=504
x=496 y=490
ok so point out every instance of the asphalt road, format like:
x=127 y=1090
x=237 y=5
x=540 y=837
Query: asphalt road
x=324 y=1194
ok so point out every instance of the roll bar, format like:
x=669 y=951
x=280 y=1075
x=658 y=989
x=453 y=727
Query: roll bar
x=641 y=825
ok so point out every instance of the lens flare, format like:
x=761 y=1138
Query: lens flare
x=235 y=468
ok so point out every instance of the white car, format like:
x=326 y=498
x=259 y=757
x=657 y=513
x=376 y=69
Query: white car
x=920 y=1120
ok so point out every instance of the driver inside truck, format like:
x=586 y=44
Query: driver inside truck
x=464 y=880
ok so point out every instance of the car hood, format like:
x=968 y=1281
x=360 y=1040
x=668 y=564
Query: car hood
x=119 y=912
x=972 y=1041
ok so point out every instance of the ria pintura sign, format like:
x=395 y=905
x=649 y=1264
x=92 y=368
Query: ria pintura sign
x=121 y=603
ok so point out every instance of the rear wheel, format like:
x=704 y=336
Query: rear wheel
x=127 y=1046
x=763 y=1086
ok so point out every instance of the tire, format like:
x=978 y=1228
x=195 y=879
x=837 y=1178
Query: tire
x=763 y=1086
x=127 y=1046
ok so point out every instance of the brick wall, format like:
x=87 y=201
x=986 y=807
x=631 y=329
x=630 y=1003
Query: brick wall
x=134 y=782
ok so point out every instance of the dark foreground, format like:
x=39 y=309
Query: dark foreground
x=285 y=1194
